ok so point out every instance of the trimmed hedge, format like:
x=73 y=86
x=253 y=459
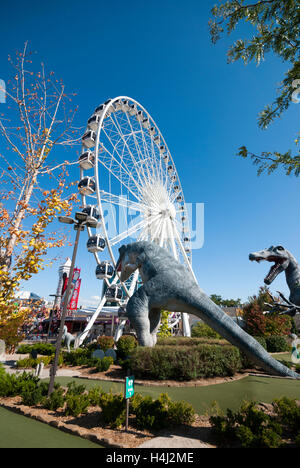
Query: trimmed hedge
x=277 y=344
x=185 y=341
x=44 y=349
x=185 y=363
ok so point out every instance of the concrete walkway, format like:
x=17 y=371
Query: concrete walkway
x=9 y=363
x=173 y=441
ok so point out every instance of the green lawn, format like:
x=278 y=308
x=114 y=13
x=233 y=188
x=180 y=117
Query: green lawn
x=228 y=395
x=17 y=431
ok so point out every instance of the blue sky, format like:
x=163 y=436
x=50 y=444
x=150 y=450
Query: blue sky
x=160 y=53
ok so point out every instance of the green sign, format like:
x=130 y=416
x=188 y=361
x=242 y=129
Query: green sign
x=129 y=386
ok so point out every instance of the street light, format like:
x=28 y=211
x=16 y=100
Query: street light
x=81 y=220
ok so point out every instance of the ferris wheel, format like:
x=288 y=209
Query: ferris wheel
x=129 y=183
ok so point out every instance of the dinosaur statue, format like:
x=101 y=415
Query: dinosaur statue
x=168 y=285
x=283 y=261
x=68 y=338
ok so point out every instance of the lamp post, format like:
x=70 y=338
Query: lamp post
x=81 y=220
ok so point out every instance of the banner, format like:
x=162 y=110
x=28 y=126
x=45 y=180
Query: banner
x=74 y=292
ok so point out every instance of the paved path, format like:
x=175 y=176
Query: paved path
x=172 y=441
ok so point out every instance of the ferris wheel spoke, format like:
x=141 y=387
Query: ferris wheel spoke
x=121 y=180
x=121 y=201
x=146 y=150
x=120 y=134
x=128 y=233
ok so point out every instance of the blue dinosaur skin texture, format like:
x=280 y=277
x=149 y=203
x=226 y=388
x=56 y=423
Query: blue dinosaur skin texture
x=168 y=285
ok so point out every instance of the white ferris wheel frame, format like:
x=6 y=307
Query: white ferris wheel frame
x=116 y=279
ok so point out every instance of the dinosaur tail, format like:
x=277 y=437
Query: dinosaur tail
x=210 y=313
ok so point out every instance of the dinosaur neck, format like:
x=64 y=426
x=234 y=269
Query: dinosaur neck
x=292 y=274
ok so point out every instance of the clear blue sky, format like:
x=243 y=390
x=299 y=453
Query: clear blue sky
x=159 y=52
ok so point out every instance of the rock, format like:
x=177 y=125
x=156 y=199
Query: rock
x=98 y=354
x=111 y=353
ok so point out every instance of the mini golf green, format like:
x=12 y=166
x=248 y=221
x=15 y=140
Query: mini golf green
x=18 y=431
x=227 y=395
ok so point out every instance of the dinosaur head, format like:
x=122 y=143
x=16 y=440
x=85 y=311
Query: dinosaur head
x=279 y=255
x=127 y=262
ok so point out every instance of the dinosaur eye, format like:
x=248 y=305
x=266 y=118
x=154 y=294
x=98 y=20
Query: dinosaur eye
x=279 y=247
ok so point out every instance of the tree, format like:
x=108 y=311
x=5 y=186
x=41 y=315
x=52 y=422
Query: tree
x=33 y=181
x=277 y=25
x=260 y=324
x=164 y=329
x=225 y=302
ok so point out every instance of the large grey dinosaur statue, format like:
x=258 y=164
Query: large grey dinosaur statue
x=168 y=285
x=283 y=261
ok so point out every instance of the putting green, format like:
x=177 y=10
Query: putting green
x=17 y=431
x=227 y=395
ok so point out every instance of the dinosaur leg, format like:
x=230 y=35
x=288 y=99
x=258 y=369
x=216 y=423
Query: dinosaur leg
x=137 y=311
x=154 y=317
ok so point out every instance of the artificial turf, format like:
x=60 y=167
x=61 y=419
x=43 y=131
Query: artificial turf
x=18 y=431
x=227 y=395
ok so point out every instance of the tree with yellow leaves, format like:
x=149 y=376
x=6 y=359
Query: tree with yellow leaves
x=36 y=122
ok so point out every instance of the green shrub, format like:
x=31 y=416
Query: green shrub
x=288 y=413
x=113 y=409
x=105 y=342
x=104 y=364
x=79 y=357
x=151 y=414
x=95 y=395
x=249 y=427
x=2 y=370
x=12 y=385
x=185 y=363
x=55 y=401
x=276 y=344
x=201 y=330
x=76 y=404
x=31 y=394
x=44 y=349
x=160 y=413
x=126 y=345
x=185 y=341
x=28 y=363
x=74 y=389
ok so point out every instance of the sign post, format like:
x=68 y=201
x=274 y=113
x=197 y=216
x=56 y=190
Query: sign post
x=128 y=393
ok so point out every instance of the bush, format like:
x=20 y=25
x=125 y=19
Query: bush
x=79 y=357
x=44 y=349
x=185 y=341
x=77 y=404
x=55 y=401
x=104 y=364
x=31 y=394
x=28 y=363
x=249 y=427
x=276 y=344
x=105 y=342
x=160 y=413
x=185 y=363
x=201 y=330
x=12 y=385
x=113 y=409
x=288 y=413
x=74 y=389
x=126 y=345
x=95 y=395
